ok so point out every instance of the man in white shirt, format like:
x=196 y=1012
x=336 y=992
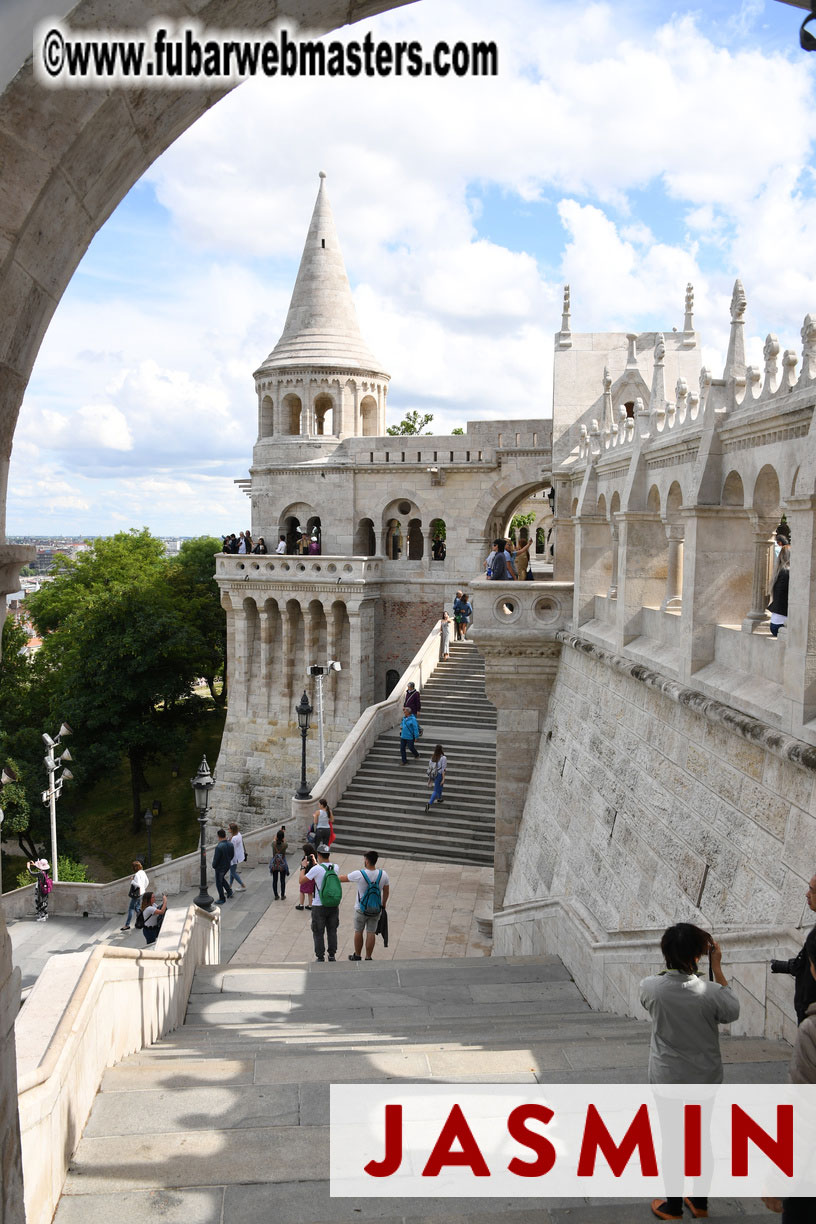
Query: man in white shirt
x=281 y=548
x=325 y=919
x=367 y=880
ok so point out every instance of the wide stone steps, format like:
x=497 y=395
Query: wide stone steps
x=226 y=1119
x=383 y=807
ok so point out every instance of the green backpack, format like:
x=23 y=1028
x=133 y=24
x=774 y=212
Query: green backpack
x=331 y=890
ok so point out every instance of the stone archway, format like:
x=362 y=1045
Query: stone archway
x=68 y=158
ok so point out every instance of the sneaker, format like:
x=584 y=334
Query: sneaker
x=659 y=1209
x=42 y=918
x=354 y=956
x=320 y=959
x=300 y=907
x=224 y=902
x=699 y=1213
x=243 y=888
x=331 y=958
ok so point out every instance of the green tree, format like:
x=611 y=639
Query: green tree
x=24 y=714
x=412 y=423
x=458 y=431
x=121 y=654
x=192 y=574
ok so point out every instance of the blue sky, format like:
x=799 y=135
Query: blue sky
x=627 y=148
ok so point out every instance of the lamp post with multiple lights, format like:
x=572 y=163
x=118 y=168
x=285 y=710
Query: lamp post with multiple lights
x=50 y=796
x=318 y=673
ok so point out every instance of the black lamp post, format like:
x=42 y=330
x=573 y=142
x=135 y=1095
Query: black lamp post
x=148 y=819
x=202 y=784
x=304 y=713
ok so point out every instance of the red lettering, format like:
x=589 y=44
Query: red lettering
x=456 y=1130
x=596 y=1136
x=779 y=1150
x=692 y=1140
x=392 y=1159
x=518 y=1130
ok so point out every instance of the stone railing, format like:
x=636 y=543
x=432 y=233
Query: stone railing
x=608 y=966
x=289 y=569
x=105 y=900
x=376 y=719
x=83 y=1017
x=525 y=606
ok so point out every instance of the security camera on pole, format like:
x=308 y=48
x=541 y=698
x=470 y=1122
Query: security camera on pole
x=50 y=796
x=319 y=672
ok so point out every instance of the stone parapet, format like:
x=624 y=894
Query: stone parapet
x=85 y=1013
x=325 y=572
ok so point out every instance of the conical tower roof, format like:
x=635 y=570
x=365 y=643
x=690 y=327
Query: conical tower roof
x=321 y=326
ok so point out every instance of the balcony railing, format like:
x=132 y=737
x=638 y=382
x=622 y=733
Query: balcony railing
x=289 y=569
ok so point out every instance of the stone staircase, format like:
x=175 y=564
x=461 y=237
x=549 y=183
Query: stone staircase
x=384 y=806
x=226 y=1119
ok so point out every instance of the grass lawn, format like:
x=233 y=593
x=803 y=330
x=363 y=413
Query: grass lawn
x=103 y=820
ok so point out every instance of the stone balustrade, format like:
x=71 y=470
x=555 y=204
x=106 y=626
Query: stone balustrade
x=85 y=1013
x=521 y=607
x=291 y=569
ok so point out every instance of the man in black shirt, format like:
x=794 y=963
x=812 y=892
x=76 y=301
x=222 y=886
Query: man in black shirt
x=805 y=990
x=221 y=859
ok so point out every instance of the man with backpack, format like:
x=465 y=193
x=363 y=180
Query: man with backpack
x=372 y=893
x=326 y=904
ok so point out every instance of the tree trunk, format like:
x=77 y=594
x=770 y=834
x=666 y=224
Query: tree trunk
x=137 y=783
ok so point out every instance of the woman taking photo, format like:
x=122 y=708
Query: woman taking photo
x=152 y=916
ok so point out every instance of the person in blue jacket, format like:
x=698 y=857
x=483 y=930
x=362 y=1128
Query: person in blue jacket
x=409 y=734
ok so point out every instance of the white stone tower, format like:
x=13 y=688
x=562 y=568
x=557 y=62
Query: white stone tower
x=321 y=383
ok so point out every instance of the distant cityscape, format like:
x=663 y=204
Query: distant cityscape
x=39 y=571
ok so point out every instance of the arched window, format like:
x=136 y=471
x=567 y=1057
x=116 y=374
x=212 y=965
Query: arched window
x=393 y=540
x=365 y=540
x=292 y=409
x=416 y=543
x=267 y=423
x=439 y=540
x=391 y=681
x=324 y=414
x=368 y=416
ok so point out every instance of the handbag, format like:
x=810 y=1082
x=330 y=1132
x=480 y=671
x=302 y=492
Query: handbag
x=133 y=891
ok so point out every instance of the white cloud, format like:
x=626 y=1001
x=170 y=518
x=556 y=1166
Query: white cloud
x=597 y=110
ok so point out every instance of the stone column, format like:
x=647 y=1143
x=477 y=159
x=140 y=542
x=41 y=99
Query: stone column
x=674 y=575
x=592 y=561
x=763 y=553
x=612 y=593
x=642 y=559
x=404 y=534
x=520 y=670
x=383 y=551
x=428 y=552
x=236 y=650
x=362 y=630
x=264 y=680
x=800 y=631
x=287 y=658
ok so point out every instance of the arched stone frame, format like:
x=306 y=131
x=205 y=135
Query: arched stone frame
x=369 y=416
x=295 y=517
x=392 y=678
x=95 y=145
x=292 y=414
x=394 y=540
x=324 y=406
x=496 y=505
x=653 y=500
x=400 y=510
x=365 y=539
x=314 y=527
x=416 y=541
x=266 y=423
x=437 y=539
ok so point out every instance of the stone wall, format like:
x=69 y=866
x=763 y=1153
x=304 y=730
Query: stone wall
x=650 y=804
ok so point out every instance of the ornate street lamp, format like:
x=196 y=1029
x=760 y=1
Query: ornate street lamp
x=202 y=784
x=304 y=713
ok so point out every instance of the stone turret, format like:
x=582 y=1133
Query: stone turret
x=321 y=382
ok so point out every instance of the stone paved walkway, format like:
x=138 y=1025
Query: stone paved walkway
x=433 y=911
